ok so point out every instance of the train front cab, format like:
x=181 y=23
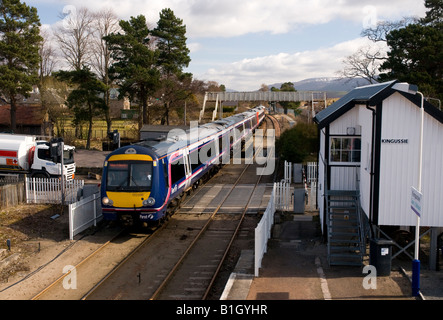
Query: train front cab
x=133 y=187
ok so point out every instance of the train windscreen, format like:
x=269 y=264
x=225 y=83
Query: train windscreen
x=129 y=176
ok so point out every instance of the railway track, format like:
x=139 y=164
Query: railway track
x=180 y=260
x=195 y=270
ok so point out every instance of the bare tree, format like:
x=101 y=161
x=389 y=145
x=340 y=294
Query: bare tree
x=105 y=23
x=382 y=28
x=48 y=63
x=363 y=64
x=74 y=37
x=48 y=55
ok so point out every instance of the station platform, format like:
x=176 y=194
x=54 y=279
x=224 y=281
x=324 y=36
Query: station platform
x=295 y=268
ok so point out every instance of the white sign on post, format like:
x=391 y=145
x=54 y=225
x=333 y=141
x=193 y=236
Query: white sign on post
x=416 y=201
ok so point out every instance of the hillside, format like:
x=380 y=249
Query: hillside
x=335 y=87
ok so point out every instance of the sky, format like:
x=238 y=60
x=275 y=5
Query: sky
x=246 y=43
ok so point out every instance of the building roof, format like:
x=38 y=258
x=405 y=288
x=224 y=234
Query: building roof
x=26 y=115
x=360 y=94
x=371 y=95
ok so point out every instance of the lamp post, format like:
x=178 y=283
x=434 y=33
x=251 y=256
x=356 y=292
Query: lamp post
x=413 y=89
x=416 y=262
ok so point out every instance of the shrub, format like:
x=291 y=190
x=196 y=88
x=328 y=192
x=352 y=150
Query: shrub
x=298 y=144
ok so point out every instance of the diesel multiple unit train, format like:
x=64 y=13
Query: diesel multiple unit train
x=143 y=183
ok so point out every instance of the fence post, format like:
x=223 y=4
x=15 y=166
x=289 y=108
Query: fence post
x=95 y=209
x=71 y=220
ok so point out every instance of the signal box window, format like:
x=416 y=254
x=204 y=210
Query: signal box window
x=345 y=149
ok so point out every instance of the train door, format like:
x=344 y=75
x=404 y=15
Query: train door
x=188 y=170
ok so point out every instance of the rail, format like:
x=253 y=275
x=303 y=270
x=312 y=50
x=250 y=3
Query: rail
x=151 y=237
x=202 y=231
x=197 y=237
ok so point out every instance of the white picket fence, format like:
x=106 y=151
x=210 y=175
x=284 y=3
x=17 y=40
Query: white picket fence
x=287 y=172
x=84 y=214
x=44 y=190
x=283 y=196
x=311 y=172
x=263 y=232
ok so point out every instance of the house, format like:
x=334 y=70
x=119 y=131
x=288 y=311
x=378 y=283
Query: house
x=368 y=162
x=115 y=105
x=30 y=119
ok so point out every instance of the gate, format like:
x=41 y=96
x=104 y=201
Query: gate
x=84 y=213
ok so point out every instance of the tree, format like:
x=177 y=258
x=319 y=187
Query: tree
x=173 y=57
x=105 y=23
x=364 y=63
x=19 y=51
x=135 y=67
x=416 y=52
x=48 y=56
x=85 y=99
x=74 y=37
x=288 y=86
x=171 y=43
x=298 y=143
x=383 y=28
x=434 y=16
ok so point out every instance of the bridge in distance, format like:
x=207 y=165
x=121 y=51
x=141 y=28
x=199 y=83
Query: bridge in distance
x=258 y=96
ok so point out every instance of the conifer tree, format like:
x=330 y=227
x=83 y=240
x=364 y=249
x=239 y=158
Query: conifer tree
x=85 y=98
x=135 y=68
x=416 y=52
x=173 y=57
x=19 y=51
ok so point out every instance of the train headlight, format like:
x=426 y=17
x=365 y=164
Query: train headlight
x=107 y=202
x=149 y=202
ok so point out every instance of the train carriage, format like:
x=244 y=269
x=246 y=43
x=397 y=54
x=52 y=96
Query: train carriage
x=143 y=183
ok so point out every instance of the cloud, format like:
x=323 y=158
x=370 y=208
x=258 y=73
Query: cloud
x=249 y=74
x=227 y=18
x=194 y=46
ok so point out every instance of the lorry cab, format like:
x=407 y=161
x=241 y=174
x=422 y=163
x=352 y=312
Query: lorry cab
x=22 y=154
x=43 y=165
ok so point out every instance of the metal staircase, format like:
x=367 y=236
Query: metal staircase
x=346 y=245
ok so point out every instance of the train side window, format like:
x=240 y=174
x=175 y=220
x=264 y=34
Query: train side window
x=165 y=172
x=240 y=130
x=208 y=151
x=248 y=124
x=195 y=161
x=177 y=171
x=220 y=144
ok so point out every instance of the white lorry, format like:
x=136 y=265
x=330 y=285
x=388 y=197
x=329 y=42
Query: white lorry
x=23 y=154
